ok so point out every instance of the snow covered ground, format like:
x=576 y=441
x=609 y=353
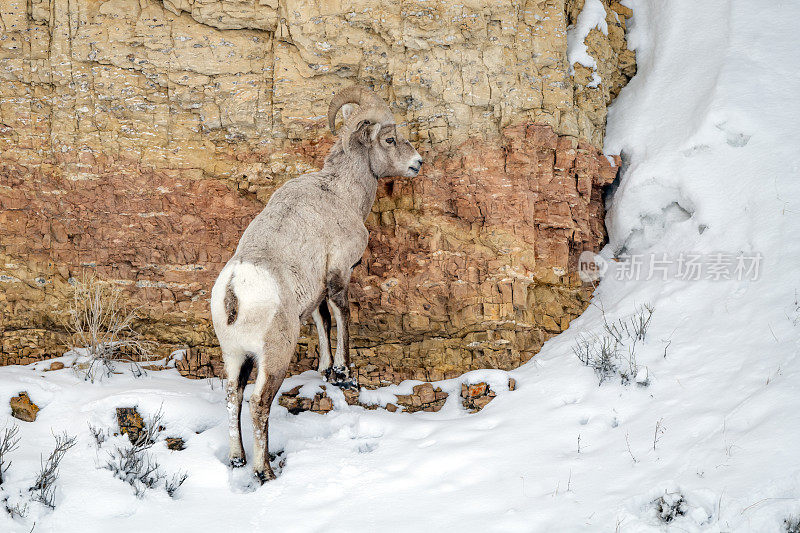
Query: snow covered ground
x=709 y=130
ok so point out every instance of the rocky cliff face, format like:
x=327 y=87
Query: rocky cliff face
x=139 y=137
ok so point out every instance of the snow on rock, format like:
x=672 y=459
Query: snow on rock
x=593 y=15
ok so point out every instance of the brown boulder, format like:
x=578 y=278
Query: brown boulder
x=425 y=393
x=23 y=408
x=424 y=397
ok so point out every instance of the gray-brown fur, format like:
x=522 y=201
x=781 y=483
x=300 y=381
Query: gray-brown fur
x=296 y=257
x=259 y=410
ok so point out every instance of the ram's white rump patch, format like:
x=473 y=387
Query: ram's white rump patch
x=257 y=301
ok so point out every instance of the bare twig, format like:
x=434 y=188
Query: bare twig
x=641 y=321
x=172 y=485
x=8 y=443
x=762 y=501
x=18 y=509
x=796 y=319
x=100 y=435
x=45 y=486
x=628 y=442
x=659 y=432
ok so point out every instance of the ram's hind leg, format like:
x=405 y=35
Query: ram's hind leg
x=238 y=371
x=260 y=404
x=279 y=345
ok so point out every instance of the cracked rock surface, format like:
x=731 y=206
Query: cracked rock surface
x=139 y=137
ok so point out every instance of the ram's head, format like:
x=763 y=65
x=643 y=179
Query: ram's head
x=371 y=127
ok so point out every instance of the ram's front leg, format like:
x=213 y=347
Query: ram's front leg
x=339 y=303
x=322 y=321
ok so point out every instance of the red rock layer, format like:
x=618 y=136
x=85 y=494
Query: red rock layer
x=469 y=265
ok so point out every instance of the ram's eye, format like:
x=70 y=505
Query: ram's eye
x=390 y=140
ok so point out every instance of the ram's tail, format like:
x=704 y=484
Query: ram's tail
x=231 y=303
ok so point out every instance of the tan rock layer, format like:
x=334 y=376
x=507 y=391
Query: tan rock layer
x=174 y=87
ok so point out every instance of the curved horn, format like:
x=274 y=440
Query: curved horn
x=373 y=115
x=352 y=95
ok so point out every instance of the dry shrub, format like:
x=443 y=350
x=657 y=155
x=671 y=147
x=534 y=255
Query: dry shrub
x=132 y=463
x=102 y=325
x=613 y=350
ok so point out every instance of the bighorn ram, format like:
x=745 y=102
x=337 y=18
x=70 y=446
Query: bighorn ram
x=298 y=252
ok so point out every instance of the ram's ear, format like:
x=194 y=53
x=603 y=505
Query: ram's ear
x=367 y=131
x=347 y=110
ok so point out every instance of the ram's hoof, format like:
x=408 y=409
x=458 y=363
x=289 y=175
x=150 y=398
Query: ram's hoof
x=237 y=462
x=350 y=383
x=334 y=373
x=338 y=376
x=266 y=475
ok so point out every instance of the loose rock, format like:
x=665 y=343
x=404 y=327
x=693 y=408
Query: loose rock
x=23 y=408
x=296 y=404
x=476 y=396
x=175 y=443
x=424 y=397
x=130 y=422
